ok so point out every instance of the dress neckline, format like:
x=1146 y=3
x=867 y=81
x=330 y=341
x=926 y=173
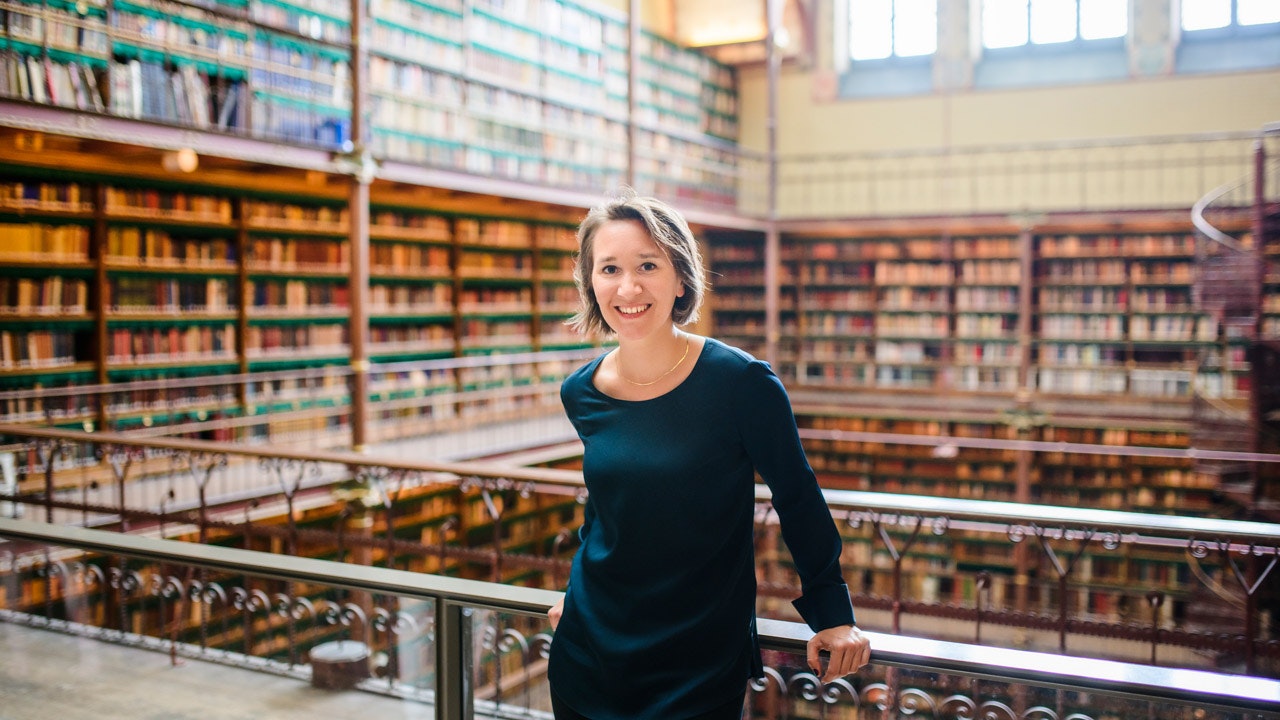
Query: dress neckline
x=697 y=365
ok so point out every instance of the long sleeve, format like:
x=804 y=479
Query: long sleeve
x=769 y=434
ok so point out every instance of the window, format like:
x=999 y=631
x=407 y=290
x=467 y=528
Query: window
x=1013 y=23
x=881 y=29
x=1215 y=14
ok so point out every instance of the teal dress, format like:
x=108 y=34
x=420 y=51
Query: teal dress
x=659 y=615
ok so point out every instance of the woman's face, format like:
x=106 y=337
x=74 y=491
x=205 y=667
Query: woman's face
x=634 y=281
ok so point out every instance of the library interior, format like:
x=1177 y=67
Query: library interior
x=285 y=291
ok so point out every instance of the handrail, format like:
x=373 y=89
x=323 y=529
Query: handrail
x=1202 y=688
x=456 y=363
x=1026 y=146
x=1203 y=226
x=569 y=482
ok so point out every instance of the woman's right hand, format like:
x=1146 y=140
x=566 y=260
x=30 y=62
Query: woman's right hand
x=555 y=612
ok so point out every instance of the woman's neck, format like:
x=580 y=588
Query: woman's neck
x=644 y=360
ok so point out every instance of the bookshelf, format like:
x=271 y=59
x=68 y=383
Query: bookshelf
x=1107 y=312
x=119 y=278
x=535 y=92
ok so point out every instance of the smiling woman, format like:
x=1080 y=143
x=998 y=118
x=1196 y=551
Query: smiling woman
x=658 y=620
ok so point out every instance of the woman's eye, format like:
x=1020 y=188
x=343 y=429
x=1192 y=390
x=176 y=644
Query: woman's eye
x=648 y=267
x=608 y=270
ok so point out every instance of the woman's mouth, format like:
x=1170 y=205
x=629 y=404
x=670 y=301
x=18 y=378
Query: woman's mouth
x=630 y=311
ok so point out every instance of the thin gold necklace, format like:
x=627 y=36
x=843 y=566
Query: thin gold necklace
x=655 y=381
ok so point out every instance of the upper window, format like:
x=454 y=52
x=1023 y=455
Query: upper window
x=1214 y=14
x=1013 y=23
x=880 y=29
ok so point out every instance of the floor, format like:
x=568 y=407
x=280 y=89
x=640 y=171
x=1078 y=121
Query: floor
x=47 y=675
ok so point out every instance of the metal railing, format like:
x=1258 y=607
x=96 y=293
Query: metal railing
x=1132 y=173
x=217 y=488
x=243 y=596
x=311 y=407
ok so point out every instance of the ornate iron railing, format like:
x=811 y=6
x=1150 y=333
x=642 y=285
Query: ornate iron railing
x=159 y=485
x=473 y=648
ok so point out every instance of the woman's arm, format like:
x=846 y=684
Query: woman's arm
x=772 y=440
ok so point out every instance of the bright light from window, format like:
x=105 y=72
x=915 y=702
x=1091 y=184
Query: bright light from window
x=879 y=29
x=1053 y=21
x=870 y=29
x=1004 y=23
x=915 y=31
x=1103 y=19
x=1257 y=12
x=1206 y=14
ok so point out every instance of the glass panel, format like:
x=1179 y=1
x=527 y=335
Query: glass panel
x=1004 y=23
x=229 y=629
x=1053 y=21
x=915 y=29
x=870 y=29
x=509 y=664
x=1103 y=19
x=1205 y=14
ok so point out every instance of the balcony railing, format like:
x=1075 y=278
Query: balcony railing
x=1128 y=578
x=473 y=649
x=1132 y=173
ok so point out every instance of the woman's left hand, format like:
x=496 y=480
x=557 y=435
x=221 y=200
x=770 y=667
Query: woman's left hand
x=849 y=650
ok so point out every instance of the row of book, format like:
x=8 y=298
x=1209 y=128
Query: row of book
x=75 y=197
x=189 y=343
x=146 y=295
x=297 y=295
x=38 y=241
x=54 y=295
x=183 y=95
x=42 y=80
x=26 y=349
x=278 y=254
x=179 y=204
x=133 y=245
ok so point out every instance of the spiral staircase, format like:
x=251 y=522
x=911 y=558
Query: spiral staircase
x=1239 y=227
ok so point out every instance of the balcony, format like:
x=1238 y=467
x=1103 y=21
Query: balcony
x=452 y=648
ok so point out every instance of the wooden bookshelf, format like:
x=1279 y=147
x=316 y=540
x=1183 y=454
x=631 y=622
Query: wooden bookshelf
x=128 y=278
x=1110 y=312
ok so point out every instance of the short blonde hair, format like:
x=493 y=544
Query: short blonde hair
x=668 y=229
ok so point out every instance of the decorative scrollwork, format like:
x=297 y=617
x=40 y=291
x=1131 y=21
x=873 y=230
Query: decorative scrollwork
x=761 y=684
x=940 y=525
x=393 y=622
x=297 y=608
x=1198 y=549
x=332 y=613
x=853 y=519
x=297 y=470
x=1039 y=712
x=1016 y=533
x=1111 y=539
x=540 y=645
x=877 y=695
x=250 y=601
x=805 y=685
x=915 y=700
x=126 y=581
x=958 y=707
x=512 y=640
x=995 y=710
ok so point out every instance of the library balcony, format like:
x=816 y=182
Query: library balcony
x=158 y=627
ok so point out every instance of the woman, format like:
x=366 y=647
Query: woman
x=659 y=617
